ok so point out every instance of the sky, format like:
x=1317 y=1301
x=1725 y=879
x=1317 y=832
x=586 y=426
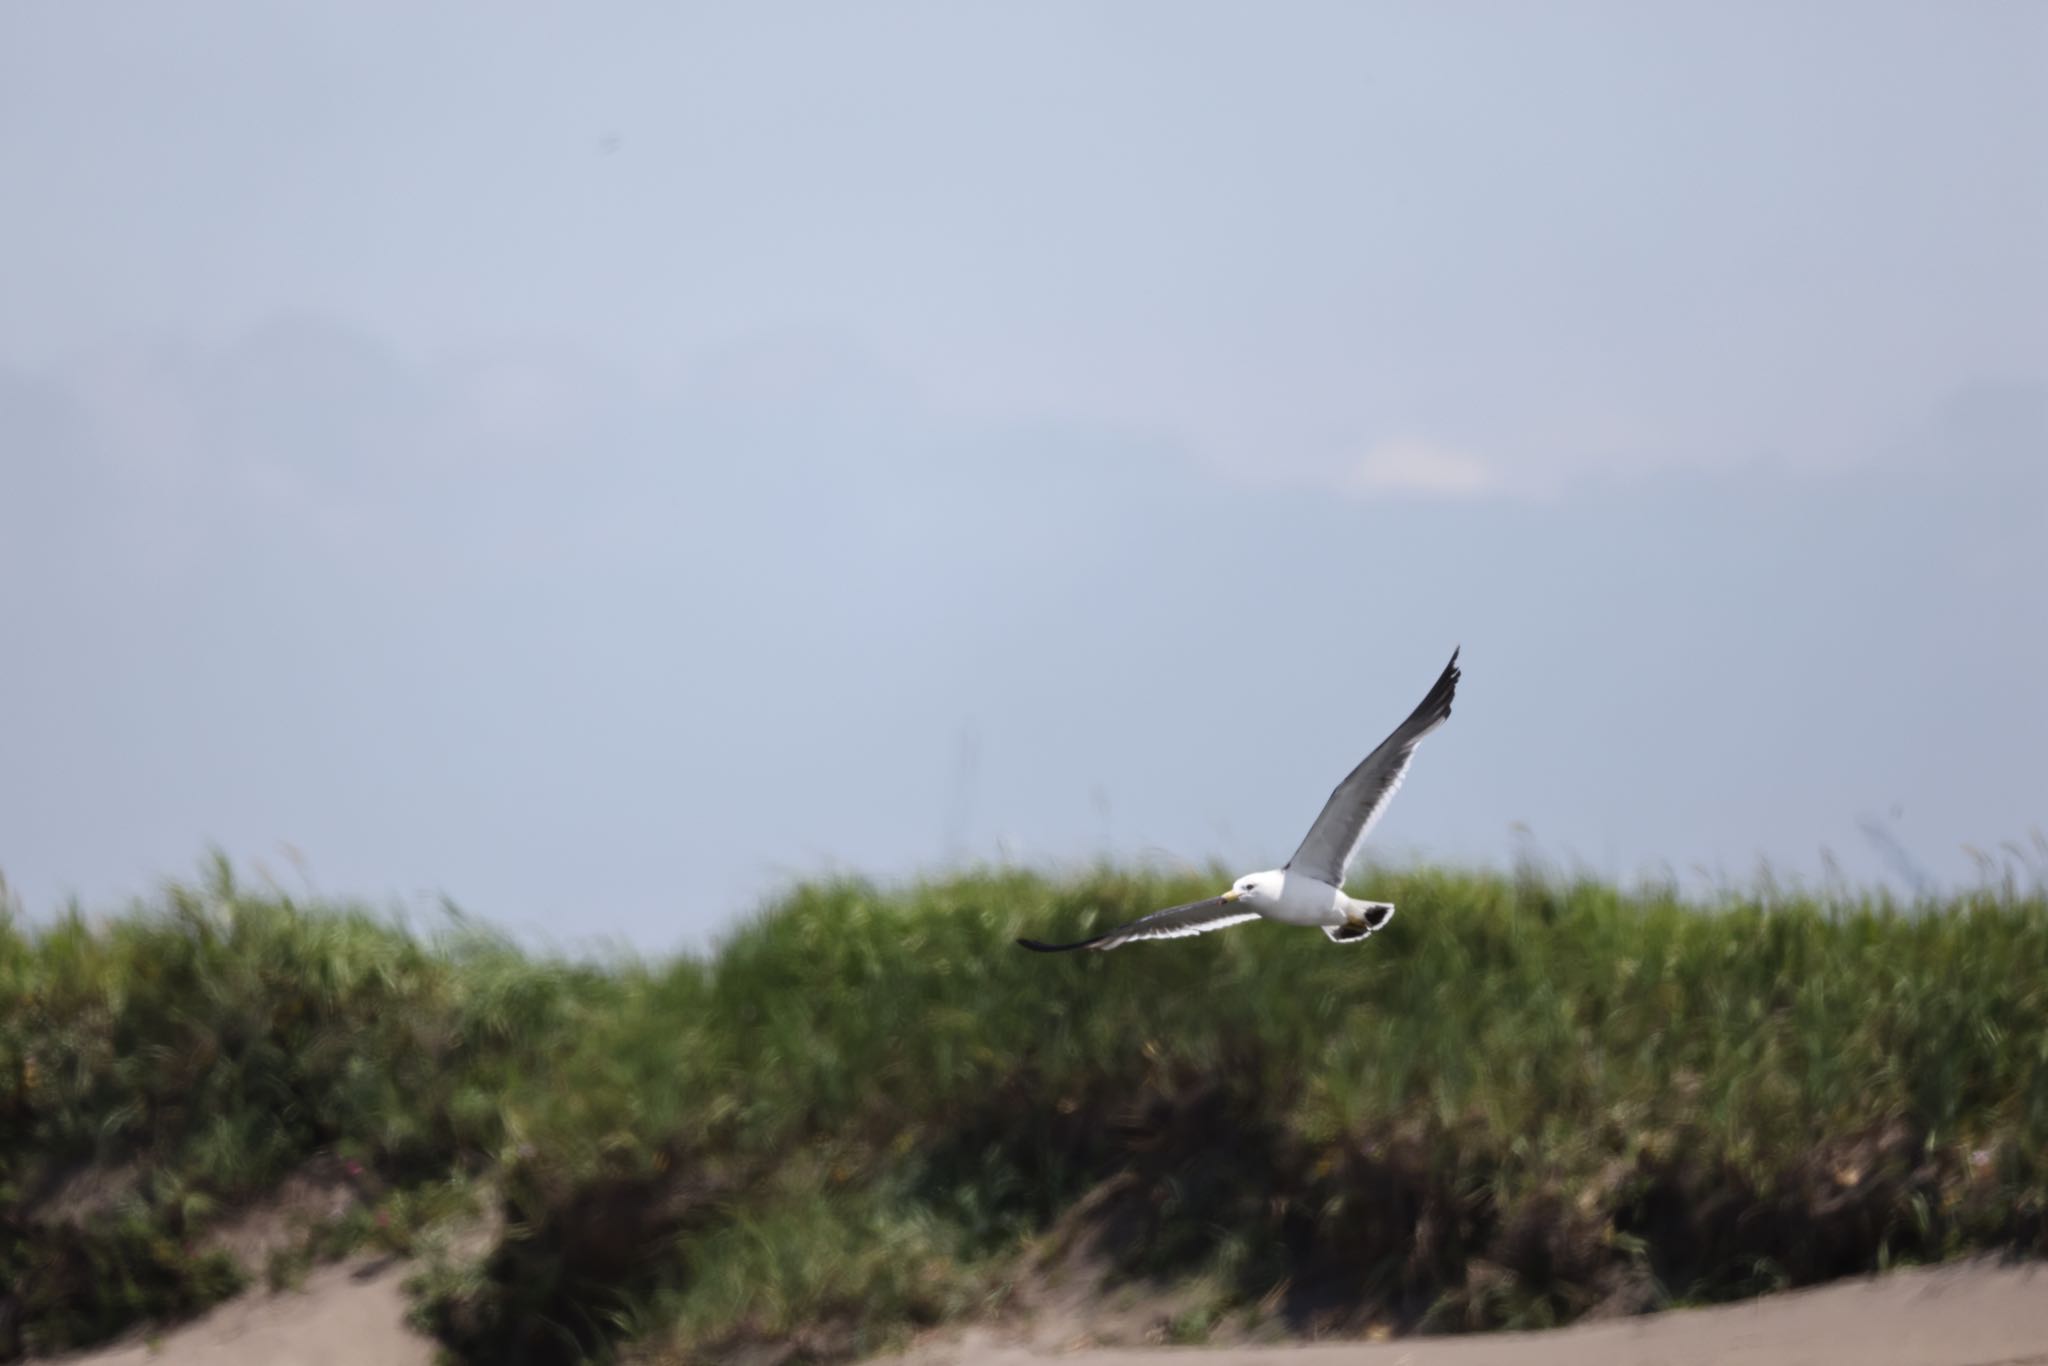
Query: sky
x=600 y=464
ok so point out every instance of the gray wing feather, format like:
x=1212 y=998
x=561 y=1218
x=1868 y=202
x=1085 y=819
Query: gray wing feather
x=1357 y=802
x=1175 y=922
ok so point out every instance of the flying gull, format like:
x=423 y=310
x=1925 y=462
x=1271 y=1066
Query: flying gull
x=1309 y=888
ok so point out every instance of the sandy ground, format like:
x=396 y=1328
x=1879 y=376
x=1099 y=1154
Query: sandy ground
x=352 y=1314
x=1969 y=1315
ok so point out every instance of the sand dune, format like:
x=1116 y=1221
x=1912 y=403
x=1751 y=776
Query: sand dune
x=351 y=1314
x=1975 y=1314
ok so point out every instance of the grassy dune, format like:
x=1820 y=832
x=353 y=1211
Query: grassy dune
x=1528 y=1099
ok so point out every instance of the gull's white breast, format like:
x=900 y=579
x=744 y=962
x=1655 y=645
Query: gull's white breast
x=1306 y=901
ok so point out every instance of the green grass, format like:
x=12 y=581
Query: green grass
x=1526 y=1096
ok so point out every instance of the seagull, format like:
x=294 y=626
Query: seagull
x=1309 y=888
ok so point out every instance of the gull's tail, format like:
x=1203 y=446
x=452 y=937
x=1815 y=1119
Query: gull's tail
x=1371 y=921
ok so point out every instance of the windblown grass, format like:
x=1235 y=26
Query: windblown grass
x=1527 y=1098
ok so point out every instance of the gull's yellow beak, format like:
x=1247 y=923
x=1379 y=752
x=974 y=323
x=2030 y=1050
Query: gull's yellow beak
x=1232 y=895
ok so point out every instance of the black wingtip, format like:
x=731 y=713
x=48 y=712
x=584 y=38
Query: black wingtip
x=1435 y=707
x=1039 y=946
x=1447 y=682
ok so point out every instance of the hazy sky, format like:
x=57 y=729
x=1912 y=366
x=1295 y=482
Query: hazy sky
x=601 y=462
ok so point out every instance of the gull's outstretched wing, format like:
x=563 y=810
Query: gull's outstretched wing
x=1174 y=922
x=1358 y=800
